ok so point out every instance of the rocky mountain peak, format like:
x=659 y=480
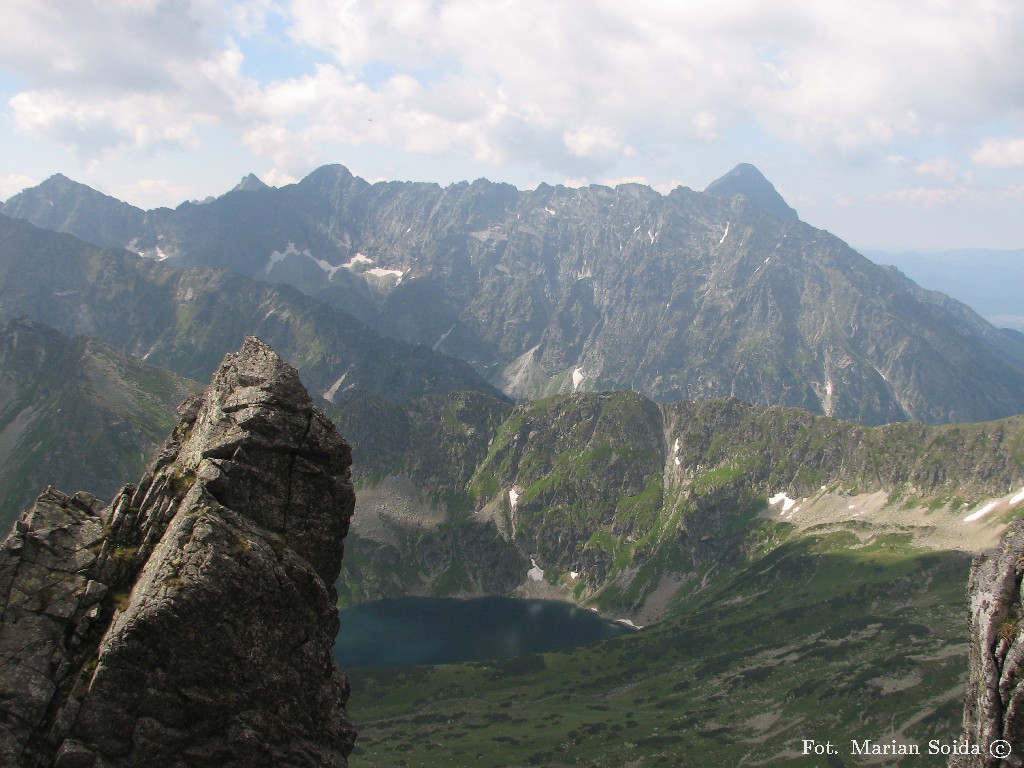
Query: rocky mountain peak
x=65 y=205
x=257 y=444
x=251 y=183
x=191 y=620
x=746 y=180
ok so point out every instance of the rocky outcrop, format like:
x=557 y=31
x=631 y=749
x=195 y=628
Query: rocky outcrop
x=994 y=702
x=189 y=622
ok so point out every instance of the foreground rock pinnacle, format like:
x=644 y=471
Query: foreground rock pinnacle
x=994 y=701
x=190 y=622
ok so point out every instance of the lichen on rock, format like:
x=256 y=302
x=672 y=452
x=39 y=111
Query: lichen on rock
x=190 y=622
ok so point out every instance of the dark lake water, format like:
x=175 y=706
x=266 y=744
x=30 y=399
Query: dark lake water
x=422 y=630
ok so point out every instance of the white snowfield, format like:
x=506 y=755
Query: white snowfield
x=329 y=269
x=577 y=378
x=787 y=503
x=333 y=390
x=981 y=512
x=948 y=527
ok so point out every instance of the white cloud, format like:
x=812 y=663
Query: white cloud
x=555 y=90
x=625 y=180
x=841 y=75
x=1000 y=153
x=925 y=197
x=108 y=76
x=934 y=197
x=595 y=141
x=13 y=183
x=152 y=193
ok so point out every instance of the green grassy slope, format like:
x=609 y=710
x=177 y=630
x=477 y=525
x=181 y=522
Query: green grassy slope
x=817 y=640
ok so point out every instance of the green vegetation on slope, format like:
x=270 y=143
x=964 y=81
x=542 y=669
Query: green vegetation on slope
x=627 y=493
x=814 y=641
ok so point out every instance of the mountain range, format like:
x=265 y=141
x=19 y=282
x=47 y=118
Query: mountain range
x=690 y=295
x=690 y=411
x=187 y=320
x=617 y=499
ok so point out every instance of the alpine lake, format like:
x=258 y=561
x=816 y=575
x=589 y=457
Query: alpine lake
x=415 y=631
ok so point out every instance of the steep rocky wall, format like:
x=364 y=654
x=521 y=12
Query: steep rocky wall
x=994 y=701
x=191 y=621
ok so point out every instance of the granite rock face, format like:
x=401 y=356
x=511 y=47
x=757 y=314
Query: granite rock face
x=189 y=622
x=994 y=702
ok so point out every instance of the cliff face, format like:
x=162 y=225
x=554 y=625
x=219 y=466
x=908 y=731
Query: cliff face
x=189 y=622
x=994 y=702
x=688 y=295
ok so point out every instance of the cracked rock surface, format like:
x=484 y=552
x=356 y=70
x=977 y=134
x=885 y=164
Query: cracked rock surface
x=994 y=701
x=189 y=622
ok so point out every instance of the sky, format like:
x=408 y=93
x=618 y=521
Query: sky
x=894 y=125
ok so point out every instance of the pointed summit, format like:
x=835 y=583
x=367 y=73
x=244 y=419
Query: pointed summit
x=198 y=608
x=746 y=180
x=251 y=183
x=61 y=204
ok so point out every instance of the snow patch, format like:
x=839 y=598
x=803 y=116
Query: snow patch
x=379 y=272
x=726 y=235
x=549 y=210
x=981 y=512
x=535 y=573
x=444 y=336
x=652 y=234
x=513 y=497
x=787 y=503
x=678 y=461
x=279 y=256
x=1017 y=499
x=578 y=378
x=675 y=448
x=574 y=575
x=330 y=269
x=329 y=394
x=628 y=623
x=828 y=402
x=356 y=260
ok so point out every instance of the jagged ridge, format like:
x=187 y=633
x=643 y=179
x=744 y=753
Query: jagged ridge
x=686 y=295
